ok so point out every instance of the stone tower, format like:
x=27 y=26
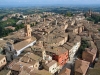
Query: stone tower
x=90 y=12
x=43 y=54
x=27 y=30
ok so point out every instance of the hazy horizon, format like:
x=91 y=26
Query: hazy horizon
x=14 y=3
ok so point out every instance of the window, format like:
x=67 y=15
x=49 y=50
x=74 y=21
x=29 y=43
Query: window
x=59 y=56
x=10 y=48
x=35 y=65
x=66 y=55
x=3 y=60
x=62 y=61
x=53 y=69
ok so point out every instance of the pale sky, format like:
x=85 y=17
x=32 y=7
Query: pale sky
x=45 y=2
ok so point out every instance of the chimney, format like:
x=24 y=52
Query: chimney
x=41 y=44
x=46 y=62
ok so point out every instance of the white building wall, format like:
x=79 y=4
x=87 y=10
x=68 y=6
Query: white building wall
x=53 y=68
x=74 y=49
x=19 y=51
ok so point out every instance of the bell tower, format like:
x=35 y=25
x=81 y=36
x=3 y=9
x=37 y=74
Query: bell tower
x=27 y=30
x=90 y=12
x=43 y=54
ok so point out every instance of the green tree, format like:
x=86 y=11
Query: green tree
x=69 y=14
x=19 y=27
x=94 y=18
x=84 y=44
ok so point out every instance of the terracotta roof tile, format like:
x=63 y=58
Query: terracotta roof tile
x=81 y=66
